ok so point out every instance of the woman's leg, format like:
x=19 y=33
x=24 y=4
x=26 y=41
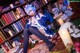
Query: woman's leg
x=35 y=31
x=26 y=34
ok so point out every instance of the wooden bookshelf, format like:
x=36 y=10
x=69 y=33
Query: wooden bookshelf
x=12 y=36
x=13 y=22
x=14 y=8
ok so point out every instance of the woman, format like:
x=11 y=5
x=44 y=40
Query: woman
x=36 y=22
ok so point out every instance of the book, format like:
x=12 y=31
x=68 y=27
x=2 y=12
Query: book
x=23 y=21
x=16 y=27
x=5 y=48
x=22 y=26
x=3 y=36
x=14 y=15
x=8 y=45
x=1 y=23
x=20 y=12
x=5 y=18
x=9 y=31
x=1 y=39
x=10 y=17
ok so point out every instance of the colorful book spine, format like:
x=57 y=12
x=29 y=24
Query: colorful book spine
x=9 y=31
x=21 y=24
x=2 y=22
x=14 y=15
x=3 y=16
x=6 y=49
x=9 y=17
x=3 y=37
x=16 y=27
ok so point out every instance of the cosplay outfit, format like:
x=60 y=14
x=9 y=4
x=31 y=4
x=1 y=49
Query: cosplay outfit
x=34 y=23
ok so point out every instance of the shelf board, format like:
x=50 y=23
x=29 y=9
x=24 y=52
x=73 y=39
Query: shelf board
x=12 y=37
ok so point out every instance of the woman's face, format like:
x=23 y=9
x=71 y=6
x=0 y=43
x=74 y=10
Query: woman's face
x=32 y=13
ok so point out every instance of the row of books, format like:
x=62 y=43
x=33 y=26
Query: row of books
x=2 y=37
x=7 y=46
x=11 y=17
x=15 y=28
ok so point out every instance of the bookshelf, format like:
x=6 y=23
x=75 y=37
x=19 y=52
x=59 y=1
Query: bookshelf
x=14 y=23
x=14 y=8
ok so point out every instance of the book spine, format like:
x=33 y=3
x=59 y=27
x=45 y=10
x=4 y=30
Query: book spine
x=17 y=13
x=23 y=21
x=2 y=36
x=3 y=16
x=10 y=17
x=16 y=27
x=6 y=49
x=7 y=45
x=14 y=15
x=2 y=23
x=3 y=48
x=10 y=32
x=7 y=18
x=1 y=39
x=21 y=12
x=21 y=24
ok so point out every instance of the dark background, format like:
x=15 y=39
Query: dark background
x=6 y=2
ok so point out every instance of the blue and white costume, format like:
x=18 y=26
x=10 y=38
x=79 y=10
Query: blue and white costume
x=39 y=21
